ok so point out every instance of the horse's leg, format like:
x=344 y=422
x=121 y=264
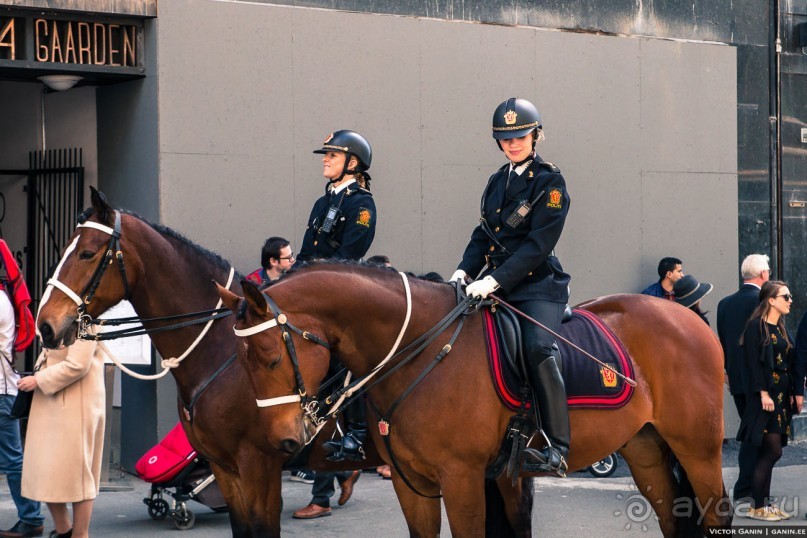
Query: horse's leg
x=648 y=457
x=464 y=498
x=702 y=460
x=422 y=514
x=255 y=503
x=229 y=485
x=516 y=504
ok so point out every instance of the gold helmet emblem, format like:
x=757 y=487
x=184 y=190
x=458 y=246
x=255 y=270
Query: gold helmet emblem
x=510 y=117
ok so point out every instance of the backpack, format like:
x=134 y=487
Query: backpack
x=17 y=290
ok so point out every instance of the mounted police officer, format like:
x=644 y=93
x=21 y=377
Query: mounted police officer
x=341 y=226
x=342 y=223
x=524 y=208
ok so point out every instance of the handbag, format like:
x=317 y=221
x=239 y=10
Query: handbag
x=22 y=404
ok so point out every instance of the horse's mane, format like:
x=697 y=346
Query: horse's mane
x=349 y=265
x=167 y=232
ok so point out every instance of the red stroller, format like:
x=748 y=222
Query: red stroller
x=173 y=463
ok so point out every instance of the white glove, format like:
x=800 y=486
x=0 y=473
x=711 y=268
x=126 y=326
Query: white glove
x=460 y=275
x=482 y=288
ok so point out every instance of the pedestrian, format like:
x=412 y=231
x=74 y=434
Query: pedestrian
x=341 y=226
x=276 y=259
x=68 y=412
x=30 y=519
x=775 y=390
x=689 y=292
x=670 y=270
x=733 y=313
x=524 y=208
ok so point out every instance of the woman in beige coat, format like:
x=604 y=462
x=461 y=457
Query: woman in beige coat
x=64 y=443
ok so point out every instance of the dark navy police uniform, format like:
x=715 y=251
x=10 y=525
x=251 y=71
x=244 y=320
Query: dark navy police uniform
x=521 y=258
x=353 y=229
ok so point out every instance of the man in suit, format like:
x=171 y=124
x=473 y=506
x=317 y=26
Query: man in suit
x=732 y=315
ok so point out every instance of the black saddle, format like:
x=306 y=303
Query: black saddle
x=511 y=344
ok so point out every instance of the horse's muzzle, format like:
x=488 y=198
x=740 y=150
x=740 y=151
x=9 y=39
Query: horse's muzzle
x=52 y=339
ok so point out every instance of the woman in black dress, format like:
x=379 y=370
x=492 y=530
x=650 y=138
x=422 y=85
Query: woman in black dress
x=775 y=391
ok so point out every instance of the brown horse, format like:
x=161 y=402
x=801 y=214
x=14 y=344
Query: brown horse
x=165 y=274
x=449 y=429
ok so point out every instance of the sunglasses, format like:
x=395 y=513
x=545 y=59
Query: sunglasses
x=786 y=296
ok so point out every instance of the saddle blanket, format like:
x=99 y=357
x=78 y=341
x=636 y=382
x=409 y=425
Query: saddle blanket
x=588 y=385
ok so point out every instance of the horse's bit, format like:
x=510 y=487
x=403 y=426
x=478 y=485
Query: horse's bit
x=113 y=251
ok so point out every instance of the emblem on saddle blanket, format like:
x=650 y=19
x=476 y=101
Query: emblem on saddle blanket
x=588 y=384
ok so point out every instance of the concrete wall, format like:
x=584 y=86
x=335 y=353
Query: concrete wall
x=644 y=131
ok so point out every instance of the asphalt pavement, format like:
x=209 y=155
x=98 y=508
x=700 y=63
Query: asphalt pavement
x=580 y=505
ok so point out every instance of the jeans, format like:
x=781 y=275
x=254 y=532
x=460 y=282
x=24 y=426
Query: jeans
x=324 y=488
x=28 y=511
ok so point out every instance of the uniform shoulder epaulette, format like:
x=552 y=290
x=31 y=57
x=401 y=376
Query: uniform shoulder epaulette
x=550 y=166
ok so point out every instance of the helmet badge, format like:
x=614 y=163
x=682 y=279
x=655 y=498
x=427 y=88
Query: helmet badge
x=330 y=136
x=510 y=117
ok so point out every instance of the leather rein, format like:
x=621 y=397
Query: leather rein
x=84 y=320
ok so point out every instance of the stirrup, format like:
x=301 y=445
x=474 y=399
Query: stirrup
x=347 y=448
x=549 y=461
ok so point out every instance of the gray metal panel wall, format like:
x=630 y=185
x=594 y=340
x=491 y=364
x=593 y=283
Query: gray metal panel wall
x=644 y=131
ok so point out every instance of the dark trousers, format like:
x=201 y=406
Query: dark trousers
x=324 y=488
x=746 y=458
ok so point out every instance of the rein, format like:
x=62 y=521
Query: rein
x=85 y=320
x=311 y=407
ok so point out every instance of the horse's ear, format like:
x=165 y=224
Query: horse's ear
x=102 y=208
x=254 y=297
x=230 y=299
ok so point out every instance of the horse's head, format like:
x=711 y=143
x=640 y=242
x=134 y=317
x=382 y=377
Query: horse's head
x=89 y=279
x=285 y=364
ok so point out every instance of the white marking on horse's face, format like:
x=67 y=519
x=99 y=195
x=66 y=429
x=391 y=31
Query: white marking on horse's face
x=49 y=289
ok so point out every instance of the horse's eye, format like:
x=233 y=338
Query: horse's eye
x=86 y=255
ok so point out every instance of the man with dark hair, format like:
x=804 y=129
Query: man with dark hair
x=669 y=272
x=379 y=259
x=276 y=258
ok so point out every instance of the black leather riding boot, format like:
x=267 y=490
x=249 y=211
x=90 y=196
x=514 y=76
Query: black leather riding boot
x=351 y=446
x=550 y=395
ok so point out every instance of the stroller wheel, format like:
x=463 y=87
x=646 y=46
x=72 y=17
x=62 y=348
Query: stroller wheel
x=184 y=520
x=158 y=508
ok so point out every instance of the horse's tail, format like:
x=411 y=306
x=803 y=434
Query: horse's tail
x=689 y=524
x=497 y=523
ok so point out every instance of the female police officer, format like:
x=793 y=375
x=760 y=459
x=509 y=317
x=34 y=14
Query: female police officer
x=342 y=222
x=524 y=207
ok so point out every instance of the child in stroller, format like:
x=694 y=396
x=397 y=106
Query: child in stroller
x=173 y=463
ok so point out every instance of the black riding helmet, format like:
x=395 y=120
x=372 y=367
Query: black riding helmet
x=515 y=118
x=351 y=143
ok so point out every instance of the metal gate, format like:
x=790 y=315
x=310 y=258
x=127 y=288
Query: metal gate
x=55 y=198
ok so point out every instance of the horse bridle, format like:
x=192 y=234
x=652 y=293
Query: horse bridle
x=309 y=405
x=113 y=251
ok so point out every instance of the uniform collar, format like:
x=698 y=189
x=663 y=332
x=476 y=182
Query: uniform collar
x=520 y=168
x=340 y=188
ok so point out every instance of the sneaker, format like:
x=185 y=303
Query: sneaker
x=303 y=475
x=764 y=514
x=779 y=512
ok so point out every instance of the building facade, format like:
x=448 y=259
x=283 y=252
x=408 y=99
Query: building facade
x=202 y=115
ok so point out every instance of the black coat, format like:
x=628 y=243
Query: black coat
x=732 y=315
x=759 y=365
x=521 y=259
x=801 y=344
x=353 y=230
